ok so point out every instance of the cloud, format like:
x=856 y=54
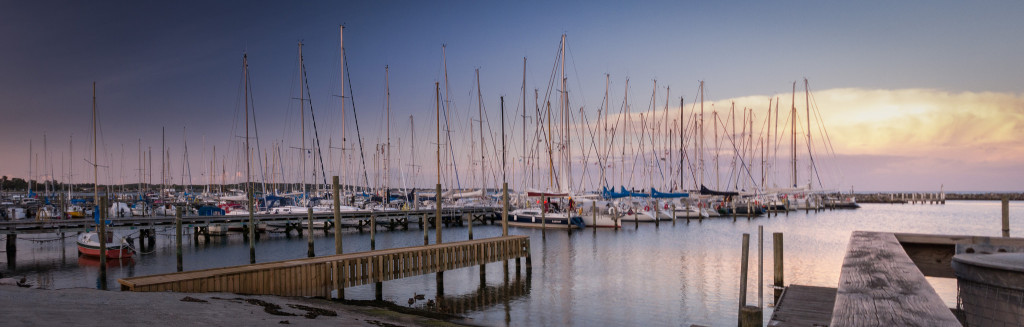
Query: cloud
x=895 y=139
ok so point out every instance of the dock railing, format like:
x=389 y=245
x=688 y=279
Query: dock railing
x=319 y=276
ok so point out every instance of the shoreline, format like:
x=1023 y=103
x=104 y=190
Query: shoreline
x=23 y=306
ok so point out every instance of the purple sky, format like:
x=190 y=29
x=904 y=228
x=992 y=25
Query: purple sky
x=177 y=65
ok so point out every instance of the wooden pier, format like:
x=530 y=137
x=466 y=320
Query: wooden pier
x=883 y=283
x=320 y=276
x=804 y=306
x=358 y=219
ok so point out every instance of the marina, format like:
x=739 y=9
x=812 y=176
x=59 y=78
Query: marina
x=574 y=275
x=401 y=163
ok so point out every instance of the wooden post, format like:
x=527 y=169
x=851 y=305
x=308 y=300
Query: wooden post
x=504 y=209
x=337 y=216
x=778 y=273
x=745 y=254
x=12 y=251
x=177 y=237
x=252 y=226
x=751 y=316
x=760 y=266
x=543 y=216
x=309 y=228
x=373 y=231
x=437 y=217
x=470 y=216
x=593 y=214
x=688 y=211
x=1006 y=216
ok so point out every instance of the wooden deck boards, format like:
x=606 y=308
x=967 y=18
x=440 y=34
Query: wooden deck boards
x=319 y=276
x=804 y=306
x=881 y=286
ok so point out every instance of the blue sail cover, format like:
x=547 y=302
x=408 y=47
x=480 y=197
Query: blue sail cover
x=660 y=195
x=622 y=193
x=608 y=194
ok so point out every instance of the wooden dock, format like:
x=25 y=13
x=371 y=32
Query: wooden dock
x=804 y=306
x=354 y=218
x=320 y=276
x=881 y=286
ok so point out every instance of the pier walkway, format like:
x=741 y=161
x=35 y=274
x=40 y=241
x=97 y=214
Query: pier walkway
x=358 y=219
x=319 y=276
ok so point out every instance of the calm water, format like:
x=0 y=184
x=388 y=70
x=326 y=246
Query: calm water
x=673 y=275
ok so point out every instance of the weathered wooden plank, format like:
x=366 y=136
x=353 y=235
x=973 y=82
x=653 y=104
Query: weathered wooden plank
x=804 y=306
x=958 y=239
x=316 y=276
x=880 y=286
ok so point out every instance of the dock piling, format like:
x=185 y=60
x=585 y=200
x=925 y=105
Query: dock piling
x=309 y=229
x=504 y=210
x=1006 y=216
x=745 y=254
x=12 y=250
x=760 y=266
x=778 y=267
x=373 y=231
x=673 y=214
x=177 y=237
x=337 y=216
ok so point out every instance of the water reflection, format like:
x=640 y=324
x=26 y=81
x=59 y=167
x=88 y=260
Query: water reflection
x=681 y=274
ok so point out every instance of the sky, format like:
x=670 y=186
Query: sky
x=913 y=95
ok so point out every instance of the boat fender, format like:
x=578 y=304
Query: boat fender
x=666 y=206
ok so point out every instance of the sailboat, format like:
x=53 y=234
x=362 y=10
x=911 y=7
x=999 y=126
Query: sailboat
x=563 y=212
x=89 y=243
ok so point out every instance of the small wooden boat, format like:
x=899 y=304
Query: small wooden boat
x=117 y=247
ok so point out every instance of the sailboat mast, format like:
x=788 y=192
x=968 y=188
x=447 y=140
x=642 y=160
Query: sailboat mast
x=807 y=98
x=341 y=76
x=387 y=128
x=625 y=134
x=524 y=121
x=567 y=156
x=607 y=81
x=551 y=163
x=480 y=113
x=248 y=173
x=681 y=144
x=437 y=112
x=700 y=153
x=163 y=163
x=102 y=237
x=767 y=144
x=793 y=119
x=302 y=113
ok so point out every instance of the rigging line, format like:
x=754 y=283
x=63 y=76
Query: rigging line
x=821 y=124
x=451 y=149
x=352 y=99
x=316 y=135
x=259 y=160
x=593 y=144
x=743 y=164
